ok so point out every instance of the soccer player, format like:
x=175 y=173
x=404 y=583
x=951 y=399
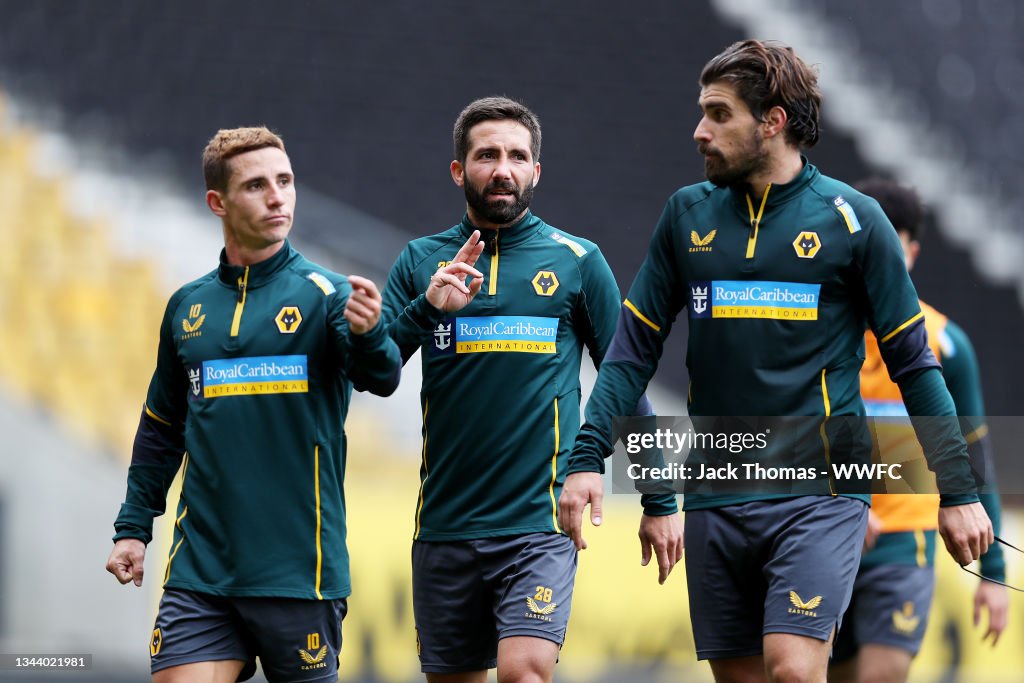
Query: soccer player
x=493 y=573
x=791 y=267
x=892 y=594
x=255 y=368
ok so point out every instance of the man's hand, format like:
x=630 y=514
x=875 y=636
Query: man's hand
x=579 y=490
x=447 y=290
x=966 y=530
x=125 y=561
x=665 y=536
x=997 y=599
x=362 y=310
x=873 y=530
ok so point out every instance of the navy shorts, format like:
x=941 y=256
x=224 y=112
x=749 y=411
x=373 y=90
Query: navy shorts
x=296 y=640
x=890 y=606
x=467 y=595
x=779 y=566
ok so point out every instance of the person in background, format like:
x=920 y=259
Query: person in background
x=892 y=594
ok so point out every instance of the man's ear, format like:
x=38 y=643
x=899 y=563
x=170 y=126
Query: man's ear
x=775 y=122
x=215 y=201
x=458 y=173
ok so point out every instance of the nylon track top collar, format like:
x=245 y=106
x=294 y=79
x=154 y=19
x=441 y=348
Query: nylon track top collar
x=508 y=236
x=259 y=273
x=778 y=194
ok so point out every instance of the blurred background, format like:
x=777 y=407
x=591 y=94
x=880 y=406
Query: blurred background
x=105 y=107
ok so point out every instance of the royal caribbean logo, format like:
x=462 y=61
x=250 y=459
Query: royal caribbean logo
x=249 y=376
x=754 y=299
x=443 y=336
x=484 y=334
x=885 y=408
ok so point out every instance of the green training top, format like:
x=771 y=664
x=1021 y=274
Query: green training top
x=254 y=374
x=501 y=387
x=779 y=290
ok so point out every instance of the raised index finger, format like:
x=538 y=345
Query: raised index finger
x=471 y=250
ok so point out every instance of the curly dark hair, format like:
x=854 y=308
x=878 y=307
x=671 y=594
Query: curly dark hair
x=767 y=74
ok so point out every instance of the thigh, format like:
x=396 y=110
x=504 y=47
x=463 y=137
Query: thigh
x=724 y=582
x=532 y=578
x=196 y=627
x=816 y=548
x=452 y=607
x=297 y=640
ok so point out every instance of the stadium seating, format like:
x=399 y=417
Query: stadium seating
x=77 y=320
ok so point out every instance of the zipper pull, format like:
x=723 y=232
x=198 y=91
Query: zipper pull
x=241 y=290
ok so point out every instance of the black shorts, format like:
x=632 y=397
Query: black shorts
x=890 y=606
x=467 y=595
x=783 y=566
x=296 y=640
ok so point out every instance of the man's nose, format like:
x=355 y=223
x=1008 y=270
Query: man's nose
x=701 y=133
x=503 y=169
x=275 y=197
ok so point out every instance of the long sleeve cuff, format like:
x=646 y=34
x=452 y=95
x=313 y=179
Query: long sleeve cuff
x=589 y=451
x=423 y=314
x=135 y=521
x=659 y=504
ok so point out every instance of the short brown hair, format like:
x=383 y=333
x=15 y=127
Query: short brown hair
x=230 y=142
x=768 y=74
x=494 y=109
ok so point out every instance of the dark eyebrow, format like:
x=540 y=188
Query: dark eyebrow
x=714 y=103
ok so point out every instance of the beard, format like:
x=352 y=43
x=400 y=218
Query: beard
x=500 y=212
x=751 y=158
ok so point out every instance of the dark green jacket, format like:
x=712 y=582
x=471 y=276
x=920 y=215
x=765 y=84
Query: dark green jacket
x=501 y=388
x=779 y=290
x=254 y=373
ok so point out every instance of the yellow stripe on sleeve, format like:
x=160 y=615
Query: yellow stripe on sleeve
x=641 y=316
x=156 y=417
x=977 y=435
x=903 y=327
